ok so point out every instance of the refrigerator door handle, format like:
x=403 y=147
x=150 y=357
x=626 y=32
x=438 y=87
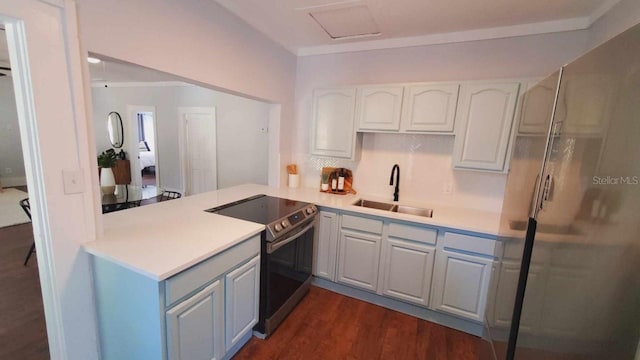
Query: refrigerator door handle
x=547 y=192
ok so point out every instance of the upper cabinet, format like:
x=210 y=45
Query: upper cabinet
x=379 y=108
x=483 y=125
x=588 y=115
x=430 y=108
x=537 y=106
x=333 y=125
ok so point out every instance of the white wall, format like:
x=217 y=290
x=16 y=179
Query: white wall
x=622 y=16
x=242 y=148
x=425 y=160
x=10 y=146
x=198 y=40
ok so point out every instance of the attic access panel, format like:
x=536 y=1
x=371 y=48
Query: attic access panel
x=347 y=22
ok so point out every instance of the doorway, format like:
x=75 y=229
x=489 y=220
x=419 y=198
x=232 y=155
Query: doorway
x=198 y=149
x=143 y=148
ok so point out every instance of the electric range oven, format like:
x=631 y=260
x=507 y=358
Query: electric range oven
x=286 y=255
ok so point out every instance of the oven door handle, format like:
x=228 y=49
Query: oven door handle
x=273 y=247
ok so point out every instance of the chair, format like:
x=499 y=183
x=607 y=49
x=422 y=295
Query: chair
x=24 y=204
x=170 y=195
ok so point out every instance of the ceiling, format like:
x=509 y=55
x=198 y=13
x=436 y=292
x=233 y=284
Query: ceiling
x=294 y=23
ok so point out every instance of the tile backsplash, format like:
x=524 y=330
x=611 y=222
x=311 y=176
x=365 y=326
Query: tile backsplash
x=426 y=175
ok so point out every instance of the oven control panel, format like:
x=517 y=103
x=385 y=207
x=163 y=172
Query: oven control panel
x=284 y=225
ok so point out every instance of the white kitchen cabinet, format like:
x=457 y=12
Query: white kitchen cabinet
x=242 y=297
x=565 y=313
x=408 y=270
x=537 y=106
x=326 y=246
x=195 y=327
x=461 y=284
x=379 y=108
x=584 y=103
x=484 y=119
x=505 y=296
x=333 y=129
x=429 y=108
x=359 y=259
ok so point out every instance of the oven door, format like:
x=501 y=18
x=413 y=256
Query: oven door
x=289 y=264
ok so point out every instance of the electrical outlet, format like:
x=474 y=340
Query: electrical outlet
x=264 y=130
x=8 y=171
x=447 y=187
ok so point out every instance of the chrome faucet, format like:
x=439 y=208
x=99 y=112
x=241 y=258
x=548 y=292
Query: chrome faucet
x=397 y=190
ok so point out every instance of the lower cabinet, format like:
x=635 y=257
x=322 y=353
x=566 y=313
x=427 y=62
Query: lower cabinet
x=408 y=269
x=195 y=327
x=242 y=297
x=461 y=284
x=204 y=312
x=326 y=246
x=359 y=259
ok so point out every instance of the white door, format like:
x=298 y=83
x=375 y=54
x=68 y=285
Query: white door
x=326 y=246
x=461 y=284
x=359 y=259
x=430 y=107
x=333 y=123
x=483 y=125
x=407 y=275
x=379 y=108
x=198 y=147
x=537 y=105
x=139 y=157
x=195 y=327
x=242 y=297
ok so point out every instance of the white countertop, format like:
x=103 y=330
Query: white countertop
x=162 y=239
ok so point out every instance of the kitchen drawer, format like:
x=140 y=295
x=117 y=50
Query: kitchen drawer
x=362 y=224
x=190 y=280
x=469 y=243
x=415 y=233
x=513 y=250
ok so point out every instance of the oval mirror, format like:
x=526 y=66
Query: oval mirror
x=115 y=129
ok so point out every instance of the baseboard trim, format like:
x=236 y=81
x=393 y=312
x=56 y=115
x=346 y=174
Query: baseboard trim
x=13 y=181
x=468 y=327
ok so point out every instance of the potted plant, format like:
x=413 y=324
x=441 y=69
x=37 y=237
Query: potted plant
x=106 y=161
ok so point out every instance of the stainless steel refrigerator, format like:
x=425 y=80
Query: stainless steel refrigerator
x=567 y=281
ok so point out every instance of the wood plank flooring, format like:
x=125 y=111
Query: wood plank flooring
x=327 y=325
x=23 y=333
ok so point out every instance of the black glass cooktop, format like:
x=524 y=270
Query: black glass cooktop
x=261 y=209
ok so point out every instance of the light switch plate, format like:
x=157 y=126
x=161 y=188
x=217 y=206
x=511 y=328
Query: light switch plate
x=73 y=181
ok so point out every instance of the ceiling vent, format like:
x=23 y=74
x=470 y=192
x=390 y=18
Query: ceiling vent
x=347 y=23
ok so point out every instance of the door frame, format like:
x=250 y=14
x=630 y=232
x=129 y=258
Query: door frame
x=55 y=134
x=133 y=142
x=182 y=110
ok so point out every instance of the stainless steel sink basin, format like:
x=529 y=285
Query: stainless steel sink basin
x=401 y=209
x=374 y=204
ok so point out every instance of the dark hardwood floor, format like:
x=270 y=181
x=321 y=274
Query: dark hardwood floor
x=326 y=325
x=23 y=333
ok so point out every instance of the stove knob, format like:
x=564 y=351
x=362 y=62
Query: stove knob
x=277 y=228
x=284 y=224
x=309 y=211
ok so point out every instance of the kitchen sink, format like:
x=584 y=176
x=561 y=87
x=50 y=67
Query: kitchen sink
x=374 y=205
x=401 y=209
x=545 y=228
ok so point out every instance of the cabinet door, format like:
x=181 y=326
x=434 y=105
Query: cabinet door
x=483 y=125
x=586 y=103
x=333 y=130
x=430 y=108
x=195 y=327
x=242 y=296
x=359 y=259
x=566 y=301
x=379 y=108
x=537 y=106
x=461 y=284
x=326 y=246
x=505 y=298
x=408 y=269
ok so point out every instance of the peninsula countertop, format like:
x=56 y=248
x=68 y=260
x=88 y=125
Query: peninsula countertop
x=162 y=239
